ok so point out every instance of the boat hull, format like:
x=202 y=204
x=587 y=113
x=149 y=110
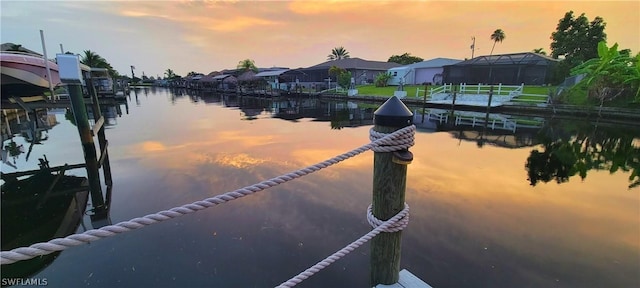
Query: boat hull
x=26 y=75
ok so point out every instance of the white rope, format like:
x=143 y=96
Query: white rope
x=401 y=142
x=383 y=227
x=59 y=244
x=375 y=222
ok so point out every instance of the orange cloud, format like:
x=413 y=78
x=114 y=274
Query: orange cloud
x=151 y=146
x=240 y=161
x=333 y=7
x=239 y=23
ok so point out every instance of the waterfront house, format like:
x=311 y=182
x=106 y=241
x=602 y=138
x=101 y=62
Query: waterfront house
x=511 y=69
x=420 y=73
x=282 y=79
x=225 y=82
x=363 y=71
x=273 y=79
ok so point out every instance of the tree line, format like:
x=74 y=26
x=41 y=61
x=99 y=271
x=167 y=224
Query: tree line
x=577 y=41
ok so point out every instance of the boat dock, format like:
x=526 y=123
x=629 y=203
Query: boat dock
x=407 y=280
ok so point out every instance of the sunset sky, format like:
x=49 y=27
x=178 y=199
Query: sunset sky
x=206 y=36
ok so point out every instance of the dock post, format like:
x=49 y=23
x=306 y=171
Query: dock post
x=69 y=70
x=453 y=102
x=102 y=141
x=455 y=94
x=490 y=98
x=389 y=184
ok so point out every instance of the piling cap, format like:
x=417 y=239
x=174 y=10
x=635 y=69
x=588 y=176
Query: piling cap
x=393 y=113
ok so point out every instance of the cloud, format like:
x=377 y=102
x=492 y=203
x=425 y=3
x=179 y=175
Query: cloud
x=151 y=146
x=240 y=23
x=329 y=7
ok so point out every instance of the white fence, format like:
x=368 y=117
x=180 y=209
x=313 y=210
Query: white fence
x=500 y=93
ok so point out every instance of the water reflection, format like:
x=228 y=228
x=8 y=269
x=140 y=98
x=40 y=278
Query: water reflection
x=573 y=148
x=39 y=208
x=51 y=201
x=43 y=204
x=475 y=220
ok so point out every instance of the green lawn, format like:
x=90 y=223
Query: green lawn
x=575 y=97
x=372 y=90
x=411 y=90
x=542 y=90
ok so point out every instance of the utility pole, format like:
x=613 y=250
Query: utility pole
x=473 y=46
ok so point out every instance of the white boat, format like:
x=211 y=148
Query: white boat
x=26 y=74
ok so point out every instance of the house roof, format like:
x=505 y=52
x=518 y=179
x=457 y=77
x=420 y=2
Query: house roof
x=207 y=78
x=271 y=73
x=528 y=58
x=434 y=63
x=354 y=63
x=247 y=76
x=220 y=77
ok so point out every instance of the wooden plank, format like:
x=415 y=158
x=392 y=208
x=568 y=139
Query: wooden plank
x=21 y=103
x=407 y=280
x=103 y=154
x=97 y=126
x=53 y=185
x=52 y=169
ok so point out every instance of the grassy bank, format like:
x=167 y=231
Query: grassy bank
x=574 y=97
x=411 y=90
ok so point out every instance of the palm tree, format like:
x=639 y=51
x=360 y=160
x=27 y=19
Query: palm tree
x=247 y=64
x=497 y=36
x=539 y=51
x=92 y=59
x=169 y=74
x=335 y=71
x=338 y=53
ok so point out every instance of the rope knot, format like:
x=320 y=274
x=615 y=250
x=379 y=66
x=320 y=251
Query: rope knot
x=399 y=140
x=396 y=226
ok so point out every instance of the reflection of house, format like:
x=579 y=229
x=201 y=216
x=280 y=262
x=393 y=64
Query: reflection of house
x=482 y=128
x=340 y=114
x=525 y=138
x=363 y=71
x=429 y=71
x=511 y=69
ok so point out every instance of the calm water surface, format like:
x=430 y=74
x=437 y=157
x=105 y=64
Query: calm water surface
x=476 y=220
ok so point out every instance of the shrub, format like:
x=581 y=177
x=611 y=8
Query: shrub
x=382 y=79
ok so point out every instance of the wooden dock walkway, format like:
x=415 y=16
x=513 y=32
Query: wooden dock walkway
x=407 y=280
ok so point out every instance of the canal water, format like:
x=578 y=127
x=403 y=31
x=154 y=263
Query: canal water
x=549 y=203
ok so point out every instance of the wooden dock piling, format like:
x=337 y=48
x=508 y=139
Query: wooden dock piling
x=86 y=137
x=389 y=183
x=70 y=74
x=97 y=114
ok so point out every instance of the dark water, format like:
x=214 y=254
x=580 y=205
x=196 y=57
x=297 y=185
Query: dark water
x=476 y=219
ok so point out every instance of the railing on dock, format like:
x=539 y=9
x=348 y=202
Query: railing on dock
x=507 y=92
x=478 y=119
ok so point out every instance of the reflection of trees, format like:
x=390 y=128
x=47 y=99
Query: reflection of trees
x=13 y=148
x=589 y=147
x=339 y=119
